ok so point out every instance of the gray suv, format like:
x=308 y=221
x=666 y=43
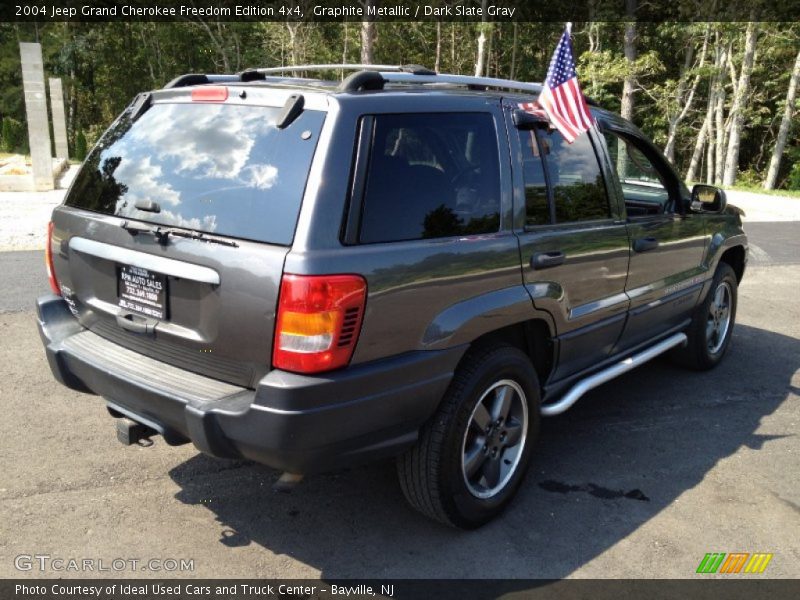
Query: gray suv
x=314 y=274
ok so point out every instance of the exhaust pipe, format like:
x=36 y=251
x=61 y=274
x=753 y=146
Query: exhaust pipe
x=606 y=375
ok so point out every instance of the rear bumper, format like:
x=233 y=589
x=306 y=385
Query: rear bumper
x=291 y=422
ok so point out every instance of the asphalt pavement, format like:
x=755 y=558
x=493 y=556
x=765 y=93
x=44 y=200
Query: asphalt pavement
x=642 y=478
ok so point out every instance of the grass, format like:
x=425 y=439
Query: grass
x=757 y=189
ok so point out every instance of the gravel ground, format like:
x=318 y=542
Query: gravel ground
x=24 y=215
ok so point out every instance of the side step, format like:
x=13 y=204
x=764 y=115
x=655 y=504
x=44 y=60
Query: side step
x=606 y=375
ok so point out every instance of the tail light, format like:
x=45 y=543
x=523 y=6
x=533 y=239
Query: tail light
x=318 y=322
x=48 y=260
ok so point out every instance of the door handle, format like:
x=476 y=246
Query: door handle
x=136 y=324
x=645 y=244
x=545 y=260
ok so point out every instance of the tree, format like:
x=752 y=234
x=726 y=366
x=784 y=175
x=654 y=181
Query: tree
x=80 y=146
x=484 y=31
x=368 y=35
x=684 y=96
x=741 y=92
x=783 y=132
x=630 y=51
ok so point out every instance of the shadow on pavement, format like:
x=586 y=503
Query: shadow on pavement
x=602 y=470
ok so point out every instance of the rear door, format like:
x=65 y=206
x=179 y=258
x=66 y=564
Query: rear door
x=173 y=236
x=667 y=247
x=573 y=242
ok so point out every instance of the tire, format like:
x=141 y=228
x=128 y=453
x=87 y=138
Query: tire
x=712 y=324
x=433 y=474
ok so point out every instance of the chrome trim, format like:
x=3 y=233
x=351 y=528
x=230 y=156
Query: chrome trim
x=151 y=262
x=596 y=305
x=606 y=375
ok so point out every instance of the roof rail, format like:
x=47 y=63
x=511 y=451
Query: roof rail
x=373 y=79
x=364 y=77
x=199 y=79
x=465 y=80
x=415 y=69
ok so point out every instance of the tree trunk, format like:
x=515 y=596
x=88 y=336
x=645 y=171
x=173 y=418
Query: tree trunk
x=710 y=148
x=480 y=60
x=218 y=42
x=344 y=48
x=694 y=163
x=719 y=125
x=629 y=83
x=737 y=111
x=293 y=58
x=437 y=64
x=368 y=38
x=453 y=68
x=514 y=52
x=783 y=132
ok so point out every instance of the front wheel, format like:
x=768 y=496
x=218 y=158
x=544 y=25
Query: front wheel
x=472 y=455
x=712 y=324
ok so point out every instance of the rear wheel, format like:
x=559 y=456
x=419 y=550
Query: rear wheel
x=712 y=324
x=473 y=454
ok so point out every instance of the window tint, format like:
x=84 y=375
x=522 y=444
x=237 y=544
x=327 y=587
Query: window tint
x=537 y=210
x=642 y=184
x=216 y=168
x=430 y=176
x=579 y=190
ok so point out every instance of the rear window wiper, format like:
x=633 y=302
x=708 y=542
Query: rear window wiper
x=162 y=233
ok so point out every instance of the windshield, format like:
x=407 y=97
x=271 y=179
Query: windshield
x=217 y=168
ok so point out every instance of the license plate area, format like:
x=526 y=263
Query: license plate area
x=142 y=291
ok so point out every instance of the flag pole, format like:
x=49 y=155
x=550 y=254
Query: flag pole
x=569 y=28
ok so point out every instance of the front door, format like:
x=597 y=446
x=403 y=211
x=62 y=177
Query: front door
x=667 y=241
x=573 y=243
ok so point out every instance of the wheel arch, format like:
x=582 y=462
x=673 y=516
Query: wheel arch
x=735 y=257
x=532 y=337
x=500 y=317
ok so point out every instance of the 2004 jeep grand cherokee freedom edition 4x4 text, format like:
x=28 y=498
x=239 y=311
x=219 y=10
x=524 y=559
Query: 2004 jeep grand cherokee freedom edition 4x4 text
x=312 y=274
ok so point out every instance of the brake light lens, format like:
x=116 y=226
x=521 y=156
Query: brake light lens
x=211 y=93
x=318 y=322
x=48 y=260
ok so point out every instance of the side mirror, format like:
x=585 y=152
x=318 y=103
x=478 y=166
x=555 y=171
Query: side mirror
x=708 y=199
x=525 y=120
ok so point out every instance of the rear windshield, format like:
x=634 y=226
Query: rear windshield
x=216 y=168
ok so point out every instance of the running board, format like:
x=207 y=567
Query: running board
x=584 y=385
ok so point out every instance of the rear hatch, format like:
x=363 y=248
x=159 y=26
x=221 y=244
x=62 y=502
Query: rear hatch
x=172 y=238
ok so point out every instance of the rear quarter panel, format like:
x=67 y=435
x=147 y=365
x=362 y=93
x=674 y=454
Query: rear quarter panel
x=423 y=294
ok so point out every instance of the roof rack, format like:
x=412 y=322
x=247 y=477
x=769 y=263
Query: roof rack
x=200 y=79
x=364 y=77
x=413 y=69
x=465 y=80
x=262 y=74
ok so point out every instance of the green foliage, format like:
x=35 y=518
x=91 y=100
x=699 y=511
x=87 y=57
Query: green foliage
x=749 y=178
x=80 y=146
x=104 y=65
x=793 y=181
x=13 y=138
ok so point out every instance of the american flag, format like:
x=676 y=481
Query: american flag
x=561 y=98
